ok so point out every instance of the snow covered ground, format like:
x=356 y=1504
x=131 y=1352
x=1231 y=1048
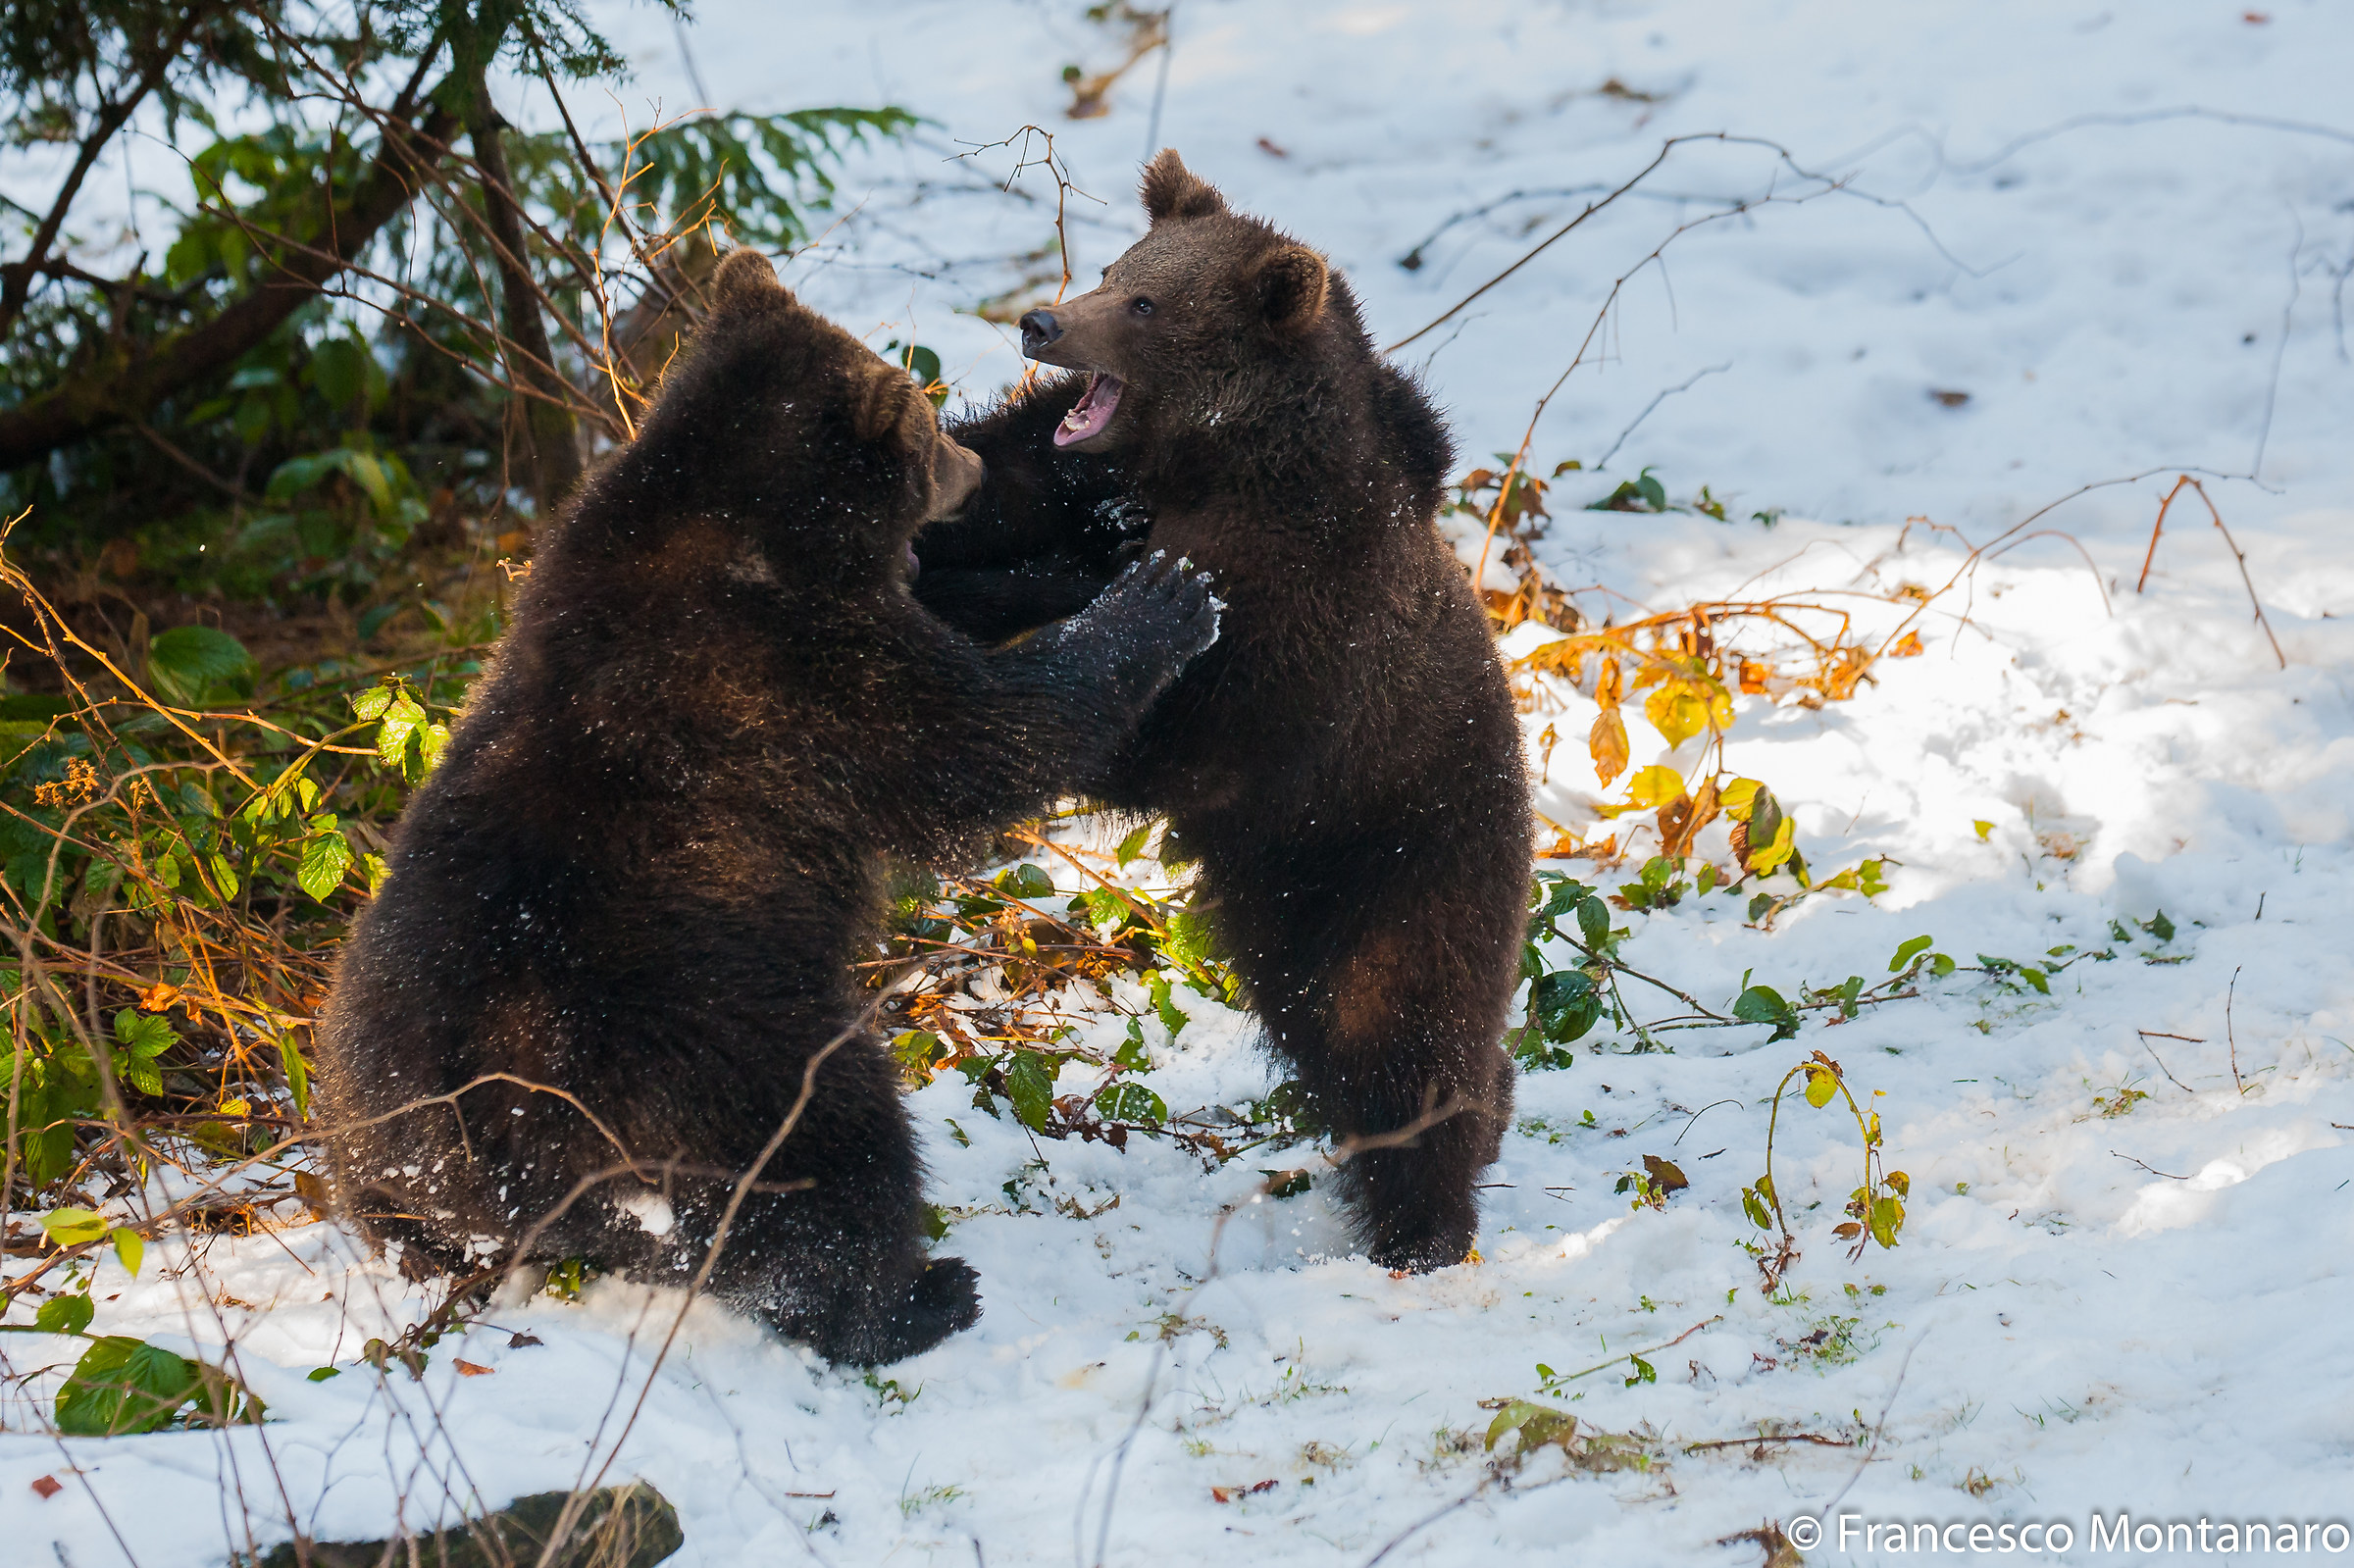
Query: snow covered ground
x=2124 y=233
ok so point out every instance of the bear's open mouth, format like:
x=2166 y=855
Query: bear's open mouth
x=1092 y=414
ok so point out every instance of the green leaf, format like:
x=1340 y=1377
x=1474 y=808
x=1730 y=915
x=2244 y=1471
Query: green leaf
x=73 y=1226
x=2036 y=979
x=186 y=662
x=372 y=703
x=298 y=1072
x=1030 y=1085
x=1643 y=1371
x=1567 y=1004
x=368 y=474
x=1593 y=923
x=1132 y=1103
x=1286 y=1184
x=1847 y=994
x=402 y=719
x=129 y=1248
x=1172 y=1017
x=297 y=475
x=1941 y=966
x=1132 y=1054
x=321 y=1374
x=1536 y=1424
x=326 y=857
x=2160 y=927
x=1026 y=882
x=139 y=1039
x=919 y=1052
x=1132 y=845
x=1907 y=951
x=65 y=1314
x=338 y=371
x=1754 y=1205
x=123 y=1385
x=1887 y=1218
x=1761 y=1005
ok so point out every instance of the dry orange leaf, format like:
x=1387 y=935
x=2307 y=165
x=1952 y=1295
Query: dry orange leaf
x=1608 y=743
x=158 y=997
x=469 y=1369
x=1905 y=647
x=1609 y=684
x=47 y=1486
x=1753 y=676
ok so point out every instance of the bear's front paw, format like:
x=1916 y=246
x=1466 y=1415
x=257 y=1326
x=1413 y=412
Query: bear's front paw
x=1170 y=603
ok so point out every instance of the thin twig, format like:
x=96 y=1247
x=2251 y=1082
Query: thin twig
x=2146 y=1037
x=2230 y=1035
x=1876 y=1427
x=1697 y=377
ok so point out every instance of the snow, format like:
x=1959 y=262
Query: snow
x=2125 y=232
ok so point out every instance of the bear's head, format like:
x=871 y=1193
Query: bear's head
x=778 y=418
x=1193 y=317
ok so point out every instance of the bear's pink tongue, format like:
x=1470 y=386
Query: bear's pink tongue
x=1093 y=412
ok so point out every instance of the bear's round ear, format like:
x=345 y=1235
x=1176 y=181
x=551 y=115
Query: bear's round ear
x=1170 y=191
x=879 y=400
x=746 y=277
x=1292 y=282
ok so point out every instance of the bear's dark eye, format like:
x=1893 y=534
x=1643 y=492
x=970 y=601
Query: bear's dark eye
x=1141 y=307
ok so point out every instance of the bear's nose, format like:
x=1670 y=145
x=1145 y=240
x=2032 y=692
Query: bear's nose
x=1038 y=329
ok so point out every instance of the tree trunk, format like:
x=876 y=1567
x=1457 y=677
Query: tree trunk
x=545 y=398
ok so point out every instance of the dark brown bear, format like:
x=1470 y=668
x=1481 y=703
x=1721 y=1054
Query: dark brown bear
x=659 y=838
x=1345 y=764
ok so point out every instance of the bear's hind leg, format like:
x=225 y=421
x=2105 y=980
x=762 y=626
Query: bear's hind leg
x=830 y=1274
x=1397 y=1043
x=832 y=1253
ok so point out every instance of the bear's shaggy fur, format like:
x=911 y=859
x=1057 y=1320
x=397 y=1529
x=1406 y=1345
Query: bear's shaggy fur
x=659 y=839
x=1346 y=764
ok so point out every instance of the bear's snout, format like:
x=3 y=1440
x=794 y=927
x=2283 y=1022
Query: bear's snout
x=1038 y=329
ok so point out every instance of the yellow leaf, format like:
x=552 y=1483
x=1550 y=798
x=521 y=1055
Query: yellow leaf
x=1608 y=743
x=1653 y=787
x=1785 y=839
x=1736 y=796
x=1676 y=713
x=1608 y=684
x=1820 y=1086
x=129 y=1248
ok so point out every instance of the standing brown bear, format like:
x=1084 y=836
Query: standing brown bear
x=659 y=840
x=1345 y=764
